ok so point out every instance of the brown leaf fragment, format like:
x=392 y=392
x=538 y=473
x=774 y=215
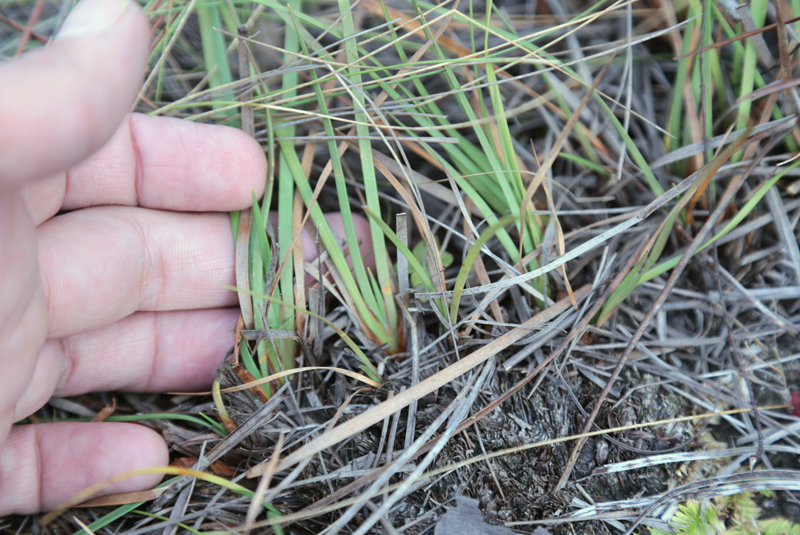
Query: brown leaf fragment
x=237 y=339
x=107 y=411
x=221 y=469
x=123 y=498
x=216 y=467
x=247 y=377
x=184 y=462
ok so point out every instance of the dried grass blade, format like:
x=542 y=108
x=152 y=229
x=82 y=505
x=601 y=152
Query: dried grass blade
x=82 y=525
x=717 y=141
x=20 y=28
x=251 y=383
x=123 y=498
x=244 y=71
x=263 y=486
x=237 y=339
x=242 y=268
x=412 y=25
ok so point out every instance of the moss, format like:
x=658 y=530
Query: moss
x=738 y=514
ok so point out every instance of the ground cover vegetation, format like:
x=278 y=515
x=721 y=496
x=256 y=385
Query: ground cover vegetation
x=576 y=296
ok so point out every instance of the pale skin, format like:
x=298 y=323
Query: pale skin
x=123 y=292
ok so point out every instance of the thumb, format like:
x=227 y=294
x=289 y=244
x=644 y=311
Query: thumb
x=61 y=103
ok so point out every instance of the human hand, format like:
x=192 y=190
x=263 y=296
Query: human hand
x=122 y=292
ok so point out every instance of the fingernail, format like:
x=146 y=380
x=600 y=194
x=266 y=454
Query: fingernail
x=92 y=17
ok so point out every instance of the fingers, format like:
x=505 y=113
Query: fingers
x=43 y=465
x=145 y=352
x=23 y=311
x=43 y=196
x=100 y=265
x=67 y=99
